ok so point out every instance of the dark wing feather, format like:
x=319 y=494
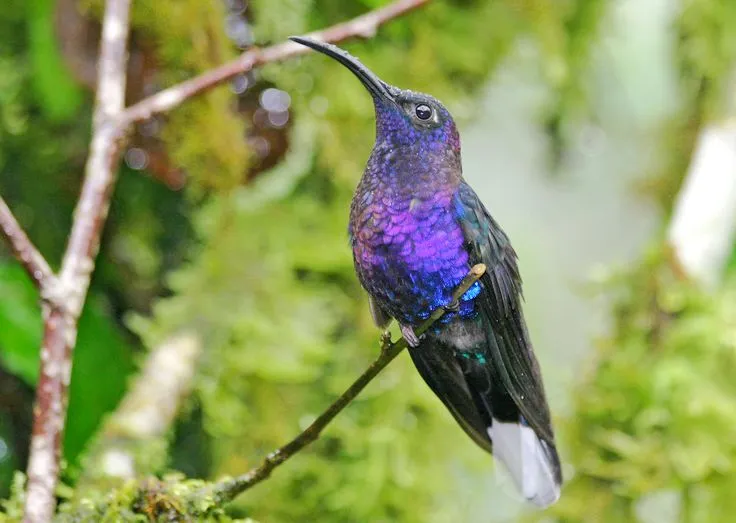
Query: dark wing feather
x=442 y=372
x=508 y=343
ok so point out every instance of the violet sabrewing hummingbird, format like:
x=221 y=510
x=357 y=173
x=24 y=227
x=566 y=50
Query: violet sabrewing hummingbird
x=416 y=228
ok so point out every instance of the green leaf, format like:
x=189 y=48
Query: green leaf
x=102 y=358
x=102 y=364
x=55 y=88
x=20 y=323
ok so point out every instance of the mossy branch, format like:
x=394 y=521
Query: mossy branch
x=229 y=489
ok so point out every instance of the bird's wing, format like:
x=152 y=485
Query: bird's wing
x=444 y=375
x=510 y=350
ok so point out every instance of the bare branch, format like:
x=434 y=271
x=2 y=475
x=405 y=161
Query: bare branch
x=102 y=162
x=363 y=26
x=65 y=301
x=111 y=65
x=32 y=260
x=230 y=489
x=49 y=414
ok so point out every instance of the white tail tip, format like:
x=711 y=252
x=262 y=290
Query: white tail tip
x=527 y=460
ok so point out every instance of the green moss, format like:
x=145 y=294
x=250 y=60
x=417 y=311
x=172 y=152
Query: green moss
x=206 y=136
x=12 y=508
x=172 y=498
x=148 y=457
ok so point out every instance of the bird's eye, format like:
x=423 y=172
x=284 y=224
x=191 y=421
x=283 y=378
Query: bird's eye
x=423 y=111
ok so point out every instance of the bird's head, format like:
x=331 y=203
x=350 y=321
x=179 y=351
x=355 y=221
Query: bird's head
x=403 y=118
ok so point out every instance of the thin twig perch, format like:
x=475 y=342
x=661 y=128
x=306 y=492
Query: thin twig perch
x=362 y=26
x=229 y=489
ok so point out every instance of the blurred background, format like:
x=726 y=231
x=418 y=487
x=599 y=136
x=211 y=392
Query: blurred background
x=226 y=260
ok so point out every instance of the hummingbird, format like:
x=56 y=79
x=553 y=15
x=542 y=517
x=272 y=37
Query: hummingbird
x=416 y=228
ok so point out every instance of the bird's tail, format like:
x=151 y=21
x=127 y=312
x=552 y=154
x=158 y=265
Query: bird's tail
x=532 y=462
x=464 y=381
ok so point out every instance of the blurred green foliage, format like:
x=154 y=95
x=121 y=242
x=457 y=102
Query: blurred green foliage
x=263 y=273
x=705 y=58
x=655 y=415
x=650 y=435
x=52 y=83
x=707 y=51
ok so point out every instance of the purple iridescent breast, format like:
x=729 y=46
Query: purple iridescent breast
x=409 y=250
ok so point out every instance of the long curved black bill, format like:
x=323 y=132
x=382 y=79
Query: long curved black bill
x=375 y=85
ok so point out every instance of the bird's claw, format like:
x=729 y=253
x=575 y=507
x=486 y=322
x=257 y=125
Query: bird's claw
x=409 y=335
x=452 y=307
x=386 y=338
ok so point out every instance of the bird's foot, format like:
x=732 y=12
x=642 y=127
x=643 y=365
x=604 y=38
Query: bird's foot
x=452 y=307
x=409 y=335
x=386 y=339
